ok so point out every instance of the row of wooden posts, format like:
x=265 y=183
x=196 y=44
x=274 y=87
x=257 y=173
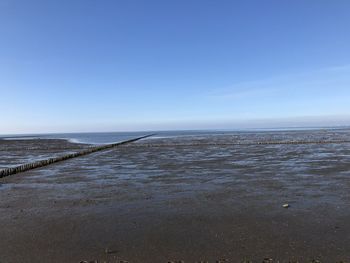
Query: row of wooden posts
x=41 y=163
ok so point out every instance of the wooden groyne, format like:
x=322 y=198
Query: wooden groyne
x=42 y=163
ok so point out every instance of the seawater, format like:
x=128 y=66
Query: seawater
x=111 y=137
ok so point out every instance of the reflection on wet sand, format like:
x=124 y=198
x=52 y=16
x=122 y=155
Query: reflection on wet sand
x=213 y=201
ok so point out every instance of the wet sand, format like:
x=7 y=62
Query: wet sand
x=17 y=152
x=172 y=203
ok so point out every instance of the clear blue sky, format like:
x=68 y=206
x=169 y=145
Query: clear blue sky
x=138 y=65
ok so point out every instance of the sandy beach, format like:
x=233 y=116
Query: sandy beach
x=196 y=203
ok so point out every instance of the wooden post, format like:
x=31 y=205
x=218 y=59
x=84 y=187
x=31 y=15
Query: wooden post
x=42 y=163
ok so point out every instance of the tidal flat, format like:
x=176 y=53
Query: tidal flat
x=192 y=198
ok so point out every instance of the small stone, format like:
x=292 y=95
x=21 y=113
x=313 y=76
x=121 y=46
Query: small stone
x=110 y=251
x=286 y=206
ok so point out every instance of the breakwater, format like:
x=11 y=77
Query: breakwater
x=41 y=163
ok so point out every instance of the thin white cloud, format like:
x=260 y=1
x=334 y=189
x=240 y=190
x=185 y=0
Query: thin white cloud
x=323 y=80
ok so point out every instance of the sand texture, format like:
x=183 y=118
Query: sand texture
x=207 y=202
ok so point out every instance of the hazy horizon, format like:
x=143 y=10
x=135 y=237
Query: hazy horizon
x=291 y=123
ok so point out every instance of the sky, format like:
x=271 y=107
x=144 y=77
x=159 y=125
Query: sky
x=88 y=65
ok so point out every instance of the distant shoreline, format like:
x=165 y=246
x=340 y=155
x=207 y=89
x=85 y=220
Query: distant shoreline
x=111 y=137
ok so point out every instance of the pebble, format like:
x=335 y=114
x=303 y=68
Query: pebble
x=286 y=205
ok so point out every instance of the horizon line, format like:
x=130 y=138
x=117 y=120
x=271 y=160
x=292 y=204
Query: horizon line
x=275 y=128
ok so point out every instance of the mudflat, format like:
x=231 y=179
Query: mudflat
x=191 y=199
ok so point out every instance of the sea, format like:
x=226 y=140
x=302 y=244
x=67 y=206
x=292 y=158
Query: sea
x=112 y=137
